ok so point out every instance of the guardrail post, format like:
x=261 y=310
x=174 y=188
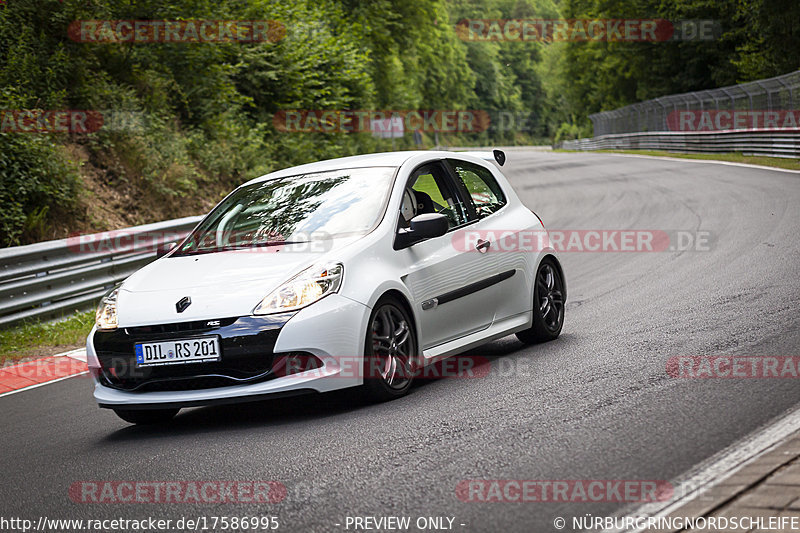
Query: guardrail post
x=47 y=278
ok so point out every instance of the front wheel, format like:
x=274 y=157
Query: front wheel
x=548 y=305
x=390 y=351
x=146 y=416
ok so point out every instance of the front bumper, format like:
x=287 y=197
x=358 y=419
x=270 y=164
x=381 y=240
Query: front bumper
x=247 y=344
x=327 y=330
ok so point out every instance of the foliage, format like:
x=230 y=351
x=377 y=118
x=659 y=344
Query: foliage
x=754 y=41
x=37 y=180
x=203 y=113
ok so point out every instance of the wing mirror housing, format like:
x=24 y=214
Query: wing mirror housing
x=421 y=227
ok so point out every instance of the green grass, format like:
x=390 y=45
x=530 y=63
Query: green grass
x=40 y=339
x=733 y=157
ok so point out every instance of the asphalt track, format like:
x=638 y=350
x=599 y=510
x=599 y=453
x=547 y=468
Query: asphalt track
x=595 y=404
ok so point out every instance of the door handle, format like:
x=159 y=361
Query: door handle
x=483 y=246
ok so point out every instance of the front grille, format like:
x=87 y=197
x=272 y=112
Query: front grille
x=246 y=345
x=178 y=327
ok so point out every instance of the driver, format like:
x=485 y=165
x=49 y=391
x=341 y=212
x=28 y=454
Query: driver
x=410 y=207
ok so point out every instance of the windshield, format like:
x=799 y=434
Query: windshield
x=302 y=208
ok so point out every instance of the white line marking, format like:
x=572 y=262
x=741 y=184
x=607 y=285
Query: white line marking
x=79 y=354
x=29 y=387
x=721 y=466
x=71 y=353
x=686 y=160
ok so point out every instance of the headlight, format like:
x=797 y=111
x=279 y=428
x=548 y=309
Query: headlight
x=106 y=315
x=304 y=289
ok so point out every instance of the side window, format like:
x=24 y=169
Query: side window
x=429 y=190
x=483 y=189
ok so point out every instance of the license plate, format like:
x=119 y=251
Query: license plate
x=201 y=349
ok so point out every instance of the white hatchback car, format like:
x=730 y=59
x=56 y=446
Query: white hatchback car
x=357 y=271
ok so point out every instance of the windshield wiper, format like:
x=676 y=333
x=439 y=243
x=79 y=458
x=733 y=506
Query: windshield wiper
x=259 y=245
x=199 y=251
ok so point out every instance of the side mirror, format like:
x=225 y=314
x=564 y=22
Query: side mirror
x=164 y=249
x=425 y=226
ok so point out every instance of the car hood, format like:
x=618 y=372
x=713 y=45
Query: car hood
x=220 y=285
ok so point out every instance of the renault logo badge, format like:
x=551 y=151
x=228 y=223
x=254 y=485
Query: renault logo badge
x=182 y=304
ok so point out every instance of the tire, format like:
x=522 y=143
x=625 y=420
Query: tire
x=390 y=352
x=548 y=305
x=147 y=416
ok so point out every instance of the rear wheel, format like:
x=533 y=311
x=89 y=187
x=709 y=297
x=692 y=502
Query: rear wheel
x=147 y=416
x=548 y=305
x=390 y=351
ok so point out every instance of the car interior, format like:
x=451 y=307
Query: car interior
x=426 y=193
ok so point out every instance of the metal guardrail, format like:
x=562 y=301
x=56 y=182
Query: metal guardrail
x=49 y=279
x=772 y=143
x=778 y=93
x=760 y=119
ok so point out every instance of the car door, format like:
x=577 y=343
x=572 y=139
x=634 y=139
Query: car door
x=453 y=288
x=503 y=225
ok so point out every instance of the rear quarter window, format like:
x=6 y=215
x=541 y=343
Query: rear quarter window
x=482 y=187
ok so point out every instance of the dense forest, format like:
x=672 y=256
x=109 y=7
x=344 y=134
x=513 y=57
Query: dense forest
x=201 y=117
